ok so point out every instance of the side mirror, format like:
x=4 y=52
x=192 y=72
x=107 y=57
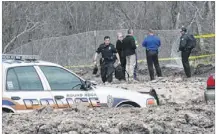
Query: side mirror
x=86 y=85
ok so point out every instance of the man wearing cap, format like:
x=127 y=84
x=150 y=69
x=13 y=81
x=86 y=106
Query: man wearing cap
x=185 y=51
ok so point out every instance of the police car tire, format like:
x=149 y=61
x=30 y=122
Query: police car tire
x=6 y=111
x=126 y=105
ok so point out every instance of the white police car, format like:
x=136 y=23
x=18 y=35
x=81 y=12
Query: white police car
x=29 y=84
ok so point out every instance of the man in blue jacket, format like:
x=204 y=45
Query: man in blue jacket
x=152 y=43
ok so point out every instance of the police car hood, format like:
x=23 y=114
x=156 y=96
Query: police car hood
x=121 y=93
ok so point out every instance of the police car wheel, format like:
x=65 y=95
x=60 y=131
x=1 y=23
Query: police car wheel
x=126 y=105
x=4 y=111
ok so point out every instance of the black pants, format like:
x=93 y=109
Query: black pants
x=185 y=61
x=123 y=64
x=152 y=59
x=107 y=70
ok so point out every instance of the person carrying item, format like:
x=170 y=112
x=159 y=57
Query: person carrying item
x=152 y=43
x=120 y=51
x=107 y=51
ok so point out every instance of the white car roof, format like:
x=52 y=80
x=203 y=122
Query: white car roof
x=15 y=63
x=7 y=63
x=10 y=63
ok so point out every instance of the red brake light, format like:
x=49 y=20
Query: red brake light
x=211 y=81
x=151 y=102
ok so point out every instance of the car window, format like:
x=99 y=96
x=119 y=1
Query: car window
x=23 y=78
x=12 y=81
x=61 y=79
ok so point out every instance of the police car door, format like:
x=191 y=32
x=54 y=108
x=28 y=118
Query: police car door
x=24 y=89
x=66 y=87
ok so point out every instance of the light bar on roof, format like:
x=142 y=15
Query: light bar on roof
x=20 y=57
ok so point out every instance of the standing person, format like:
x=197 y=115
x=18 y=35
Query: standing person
x=119 y=48
x=185 y=51
x=107 y=51
x=129 y=50
x=152 y=43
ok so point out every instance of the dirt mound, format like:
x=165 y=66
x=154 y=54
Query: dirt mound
x=143 y=74
x=203 y=70
x=169 y=118
x=170 y=89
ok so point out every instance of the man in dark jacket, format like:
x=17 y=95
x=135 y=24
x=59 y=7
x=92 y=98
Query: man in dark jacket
x=152 y=43
x=121 y=53
x=129 y=47
x=185 y=51
x=107 y=51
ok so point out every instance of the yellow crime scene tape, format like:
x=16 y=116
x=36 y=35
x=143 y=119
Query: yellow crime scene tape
x=176 y=58
x=205 y=36
x=164 y=59
x=160 y=59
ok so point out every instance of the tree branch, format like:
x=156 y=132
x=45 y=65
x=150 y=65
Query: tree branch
x=127 y=17
x=25 y=31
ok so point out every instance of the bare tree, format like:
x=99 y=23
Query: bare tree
x=28 y=21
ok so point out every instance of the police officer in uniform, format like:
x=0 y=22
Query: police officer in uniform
x=107 y=51
x=185 y=51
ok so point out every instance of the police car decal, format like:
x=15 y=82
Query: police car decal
x=109 y=101
x=36 y=104
x=114 y=102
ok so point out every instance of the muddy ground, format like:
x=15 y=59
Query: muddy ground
x=182 y=109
